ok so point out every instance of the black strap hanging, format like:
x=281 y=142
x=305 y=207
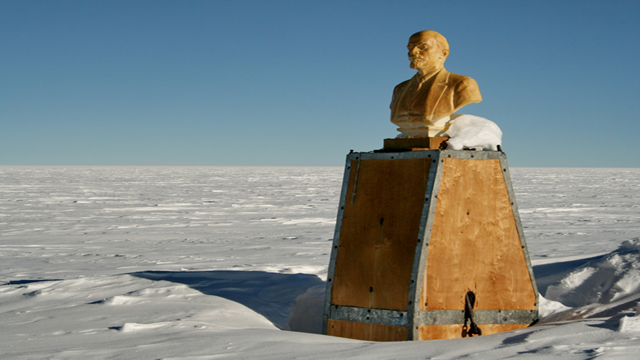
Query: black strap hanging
x=472 y=328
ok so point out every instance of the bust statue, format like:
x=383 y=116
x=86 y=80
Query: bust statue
x=422 y=105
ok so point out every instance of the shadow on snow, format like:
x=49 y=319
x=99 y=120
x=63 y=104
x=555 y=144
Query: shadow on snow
x=290 y=301
x=295 y=301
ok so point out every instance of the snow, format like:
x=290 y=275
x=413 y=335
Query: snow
x=630 y=324
x=473 y=132
x=230 y=263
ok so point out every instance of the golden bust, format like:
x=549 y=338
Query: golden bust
x=422 y=105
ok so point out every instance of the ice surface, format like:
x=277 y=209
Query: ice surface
x=473 y=132
x=215 y=262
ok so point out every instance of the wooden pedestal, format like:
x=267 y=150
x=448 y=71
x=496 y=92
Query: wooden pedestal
x=423 y=143
x=421 y=236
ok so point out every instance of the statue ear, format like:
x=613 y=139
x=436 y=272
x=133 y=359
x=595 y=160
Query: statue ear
x=445 y=52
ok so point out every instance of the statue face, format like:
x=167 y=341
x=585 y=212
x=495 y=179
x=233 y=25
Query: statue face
x=425 y=52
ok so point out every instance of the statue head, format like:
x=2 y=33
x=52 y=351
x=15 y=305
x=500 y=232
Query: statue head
x=427 y=51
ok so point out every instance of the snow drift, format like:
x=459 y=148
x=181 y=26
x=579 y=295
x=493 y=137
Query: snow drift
x=222 y=263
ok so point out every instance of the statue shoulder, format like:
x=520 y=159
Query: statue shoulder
x=397 y=90
x=401 y=86
x=457 y=78
x=465 y=88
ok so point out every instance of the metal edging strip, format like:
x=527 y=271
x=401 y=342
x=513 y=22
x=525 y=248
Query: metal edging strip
x=424 y=233
x=480 y=317
x=336 y=240
x=373 y=316
x=430 y=317
x=516 y=216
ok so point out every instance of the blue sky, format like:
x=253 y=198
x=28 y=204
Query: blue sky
x=303 y=82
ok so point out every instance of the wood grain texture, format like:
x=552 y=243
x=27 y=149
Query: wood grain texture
x=379 y=233
x=437 y=332
x=367 y=331
x=474 y=244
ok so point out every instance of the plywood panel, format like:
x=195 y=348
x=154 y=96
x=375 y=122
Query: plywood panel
x=435 y=332
x=379 y=233
x=474 y=244
x=366 y=331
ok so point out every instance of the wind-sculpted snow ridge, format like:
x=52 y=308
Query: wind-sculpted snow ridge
x=273 y=295
x=216 y=262
x=602 y=287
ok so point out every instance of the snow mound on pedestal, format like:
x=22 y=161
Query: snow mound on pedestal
x=473 y=132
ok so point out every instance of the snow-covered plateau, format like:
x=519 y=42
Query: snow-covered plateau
x=230 y=263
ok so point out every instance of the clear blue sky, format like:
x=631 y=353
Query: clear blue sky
x=303 y=82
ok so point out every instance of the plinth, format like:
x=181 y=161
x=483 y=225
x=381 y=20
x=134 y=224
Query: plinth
x=417 y=143
x=428 y=245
